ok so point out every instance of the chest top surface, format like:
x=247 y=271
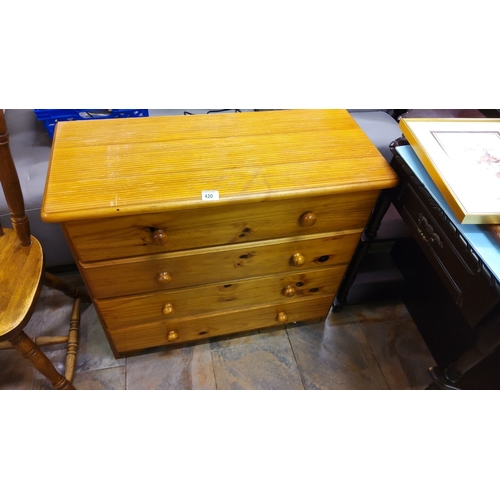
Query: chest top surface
x=107 y=168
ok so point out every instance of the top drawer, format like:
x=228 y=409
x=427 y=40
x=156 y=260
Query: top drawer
x=129 y=236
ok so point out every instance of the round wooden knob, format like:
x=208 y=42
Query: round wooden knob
x=163 y=278
x=289 y=291
x=168 y=309
x=282 y=317
x=298 y=259
x=172 y=335
x=159 y=237
x=308 y=219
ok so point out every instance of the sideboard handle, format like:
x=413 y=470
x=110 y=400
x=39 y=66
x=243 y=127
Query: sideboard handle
x=427 y=232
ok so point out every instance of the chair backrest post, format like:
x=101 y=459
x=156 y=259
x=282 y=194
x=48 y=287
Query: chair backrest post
x=12 y=188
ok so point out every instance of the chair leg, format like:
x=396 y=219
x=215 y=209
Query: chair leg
x=73 y=340
x=69 y=290
x=37 y=358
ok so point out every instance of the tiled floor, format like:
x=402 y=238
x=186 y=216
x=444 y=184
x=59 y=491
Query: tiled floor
x=369 y=346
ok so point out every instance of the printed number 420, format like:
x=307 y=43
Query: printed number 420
x=210 y=195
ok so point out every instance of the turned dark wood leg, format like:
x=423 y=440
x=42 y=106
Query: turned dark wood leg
x=37 y=358
x=367 y=237
x=69 y=290
x=487 y=342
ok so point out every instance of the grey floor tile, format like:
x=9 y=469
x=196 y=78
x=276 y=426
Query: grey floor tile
x=401 y=353
x=382 y=311
x=16 y=373
x=262 y=361
x=182 y=368
x=335 y=355
x=107 y=379
x=94 y=352
x=245 y=338
x=52 y=317
x=365 y=346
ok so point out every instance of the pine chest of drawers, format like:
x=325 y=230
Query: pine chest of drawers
x=189 y=227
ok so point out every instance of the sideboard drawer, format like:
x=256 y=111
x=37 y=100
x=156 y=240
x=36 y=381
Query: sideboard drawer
x=219 y=264
x=203 y=327
x=434 y=242
x=145 y=234
x=156 y=306
x=446 y=252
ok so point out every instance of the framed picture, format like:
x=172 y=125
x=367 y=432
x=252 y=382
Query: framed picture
x=462 y=156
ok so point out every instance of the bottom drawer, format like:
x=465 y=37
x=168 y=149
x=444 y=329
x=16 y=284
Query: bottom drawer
x=201 y=327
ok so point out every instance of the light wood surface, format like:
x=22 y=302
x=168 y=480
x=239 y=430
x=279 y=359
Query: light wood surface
x=227 y=263
x=106 y=168
x=20 y=289
x=195 y=328
x=149 y=307
x=118 y=237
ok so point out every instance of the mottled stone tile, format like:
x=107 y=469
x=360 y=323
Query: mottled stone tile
x=52 y=317
x=16 y=373
x=94 y=351
x=262 y=361
x=252 y=337
x=175 y=369
x=335 y=356
x=401 y=353
x=383 y=311
x=107 y=379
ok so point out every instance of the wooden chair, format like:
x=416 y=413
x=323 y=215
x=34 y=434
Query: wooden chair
x=22 y=275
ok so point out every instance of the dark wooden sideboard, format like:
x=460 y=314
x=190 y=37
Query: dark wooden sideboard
x=457 y=301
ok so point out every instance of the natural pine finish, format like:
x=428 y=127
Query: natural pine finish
x=118 y=237
x=105 y=168
x=195 y=328
x=21 y=278
x=294 y=190
x=224 y=263
x=121 y=312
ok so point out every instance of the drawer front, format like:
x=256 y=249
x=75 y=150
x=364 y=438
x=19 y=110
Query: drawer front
x=469 y=289
x=153 y=307
x=234 y=321
x=130 y=236
x=228 y=263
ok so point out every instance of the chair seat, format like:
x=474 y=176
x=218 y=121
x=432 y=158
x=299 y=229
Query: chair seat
x=21 y=275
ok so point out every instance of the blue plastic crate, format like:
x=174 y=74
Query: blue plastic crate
x=50 y=117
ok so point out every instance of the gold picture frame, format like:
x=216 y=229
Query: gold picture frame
x=462 y=156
